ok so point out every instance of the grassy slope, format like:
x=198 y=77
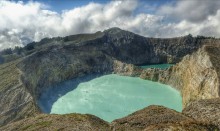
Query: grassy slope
x=9 y=75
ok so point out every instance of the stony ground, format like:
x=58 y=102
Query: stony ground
x=70 y=122
x=152 y=118
x=208 y=109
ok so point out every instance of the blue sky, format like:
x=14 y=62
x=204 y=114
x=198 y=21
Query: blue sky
x=60 y=5
x=23 y=22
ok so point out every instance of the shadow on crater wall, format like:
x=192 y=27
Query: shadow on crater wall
x=52 y=94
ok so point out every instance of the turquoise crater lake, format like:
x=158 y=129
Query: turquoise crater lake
x=160 y=66
x=108 y=96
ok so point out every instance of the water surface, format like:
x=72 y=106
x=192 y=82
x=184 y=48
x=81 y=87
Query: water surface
x=161 y=66
x=108 y=97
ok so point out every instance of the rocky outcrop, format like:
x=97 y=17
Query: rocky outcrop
x=152 y=118
x=208 y=110
x=196 y=76
x=153 y=74
x=126 y=69
x=159 y=118
x=69 y=122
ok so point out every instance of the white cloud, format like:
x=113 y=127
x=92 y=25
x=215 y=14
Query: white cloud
x=190 y=10
x=22 y=23
x=194 y=16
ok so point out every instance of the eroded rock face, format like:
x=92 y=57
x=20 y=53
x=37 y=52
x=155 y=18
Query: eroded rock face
x=16 y=102
x=196 y=76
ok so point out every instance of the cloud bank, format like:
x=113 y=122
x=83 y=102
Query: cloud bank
x=22 y=23
x=191 y=10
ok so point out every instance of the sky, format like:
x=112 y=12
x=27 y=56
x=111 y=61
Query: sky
x=22 y=22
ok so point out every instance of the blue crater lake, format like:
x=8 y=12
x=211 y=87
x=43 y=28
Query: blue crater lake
x=108 y=96
x=161 y=66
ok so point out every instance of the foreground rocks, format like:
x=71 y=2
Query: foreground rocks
x=152 y=118
x=159 y=118
x=69 y=122
x=208 y=109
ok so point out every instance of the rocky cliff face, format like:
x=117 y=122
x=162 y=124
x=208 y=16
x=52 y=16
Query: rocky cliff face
x=55 y=60
x=16 y=102
x=134 y=49
x=196 y=76
x=53 y=65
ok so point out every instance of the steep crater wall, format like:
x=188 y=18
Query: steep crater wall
x=196 y=76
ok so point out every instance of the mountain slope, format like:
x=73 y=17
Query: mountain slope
x=51 y=61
